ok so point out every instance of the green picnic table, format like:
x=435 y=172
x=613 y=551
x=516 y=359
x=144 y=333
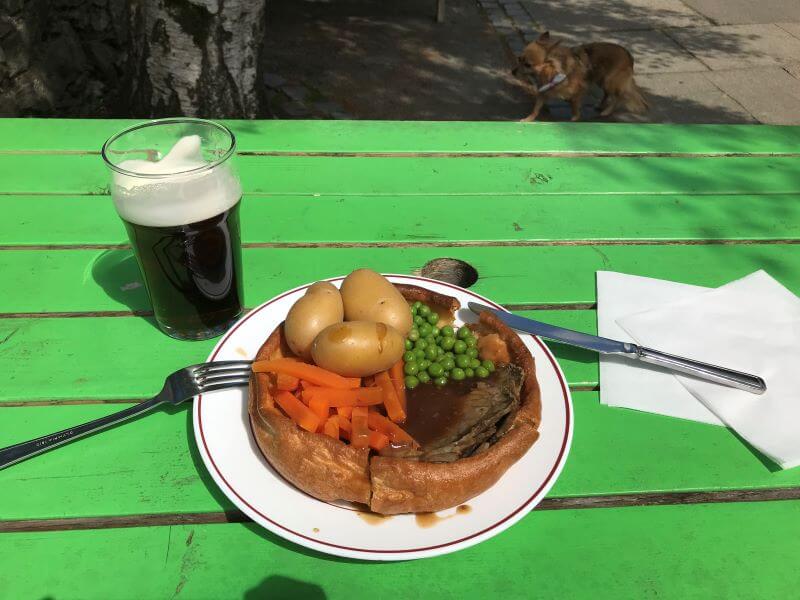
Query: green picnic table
x=647 y=506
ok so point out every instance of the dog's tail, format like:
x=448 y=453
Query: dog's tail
x=632 y=99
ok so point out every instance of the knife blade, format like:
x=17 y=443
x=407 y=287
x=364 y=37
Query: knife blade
x=560 y=334
x=736 y=379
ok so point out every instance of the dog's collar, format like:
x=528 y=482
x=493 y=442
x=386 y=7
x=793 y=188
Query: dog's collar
x=557 y=78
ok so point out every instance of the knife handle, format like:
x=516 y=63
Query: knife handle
x=729 y=377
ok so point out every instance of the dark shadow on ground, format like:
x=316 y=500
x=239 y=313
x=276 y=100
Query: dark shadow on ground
x=277 y=587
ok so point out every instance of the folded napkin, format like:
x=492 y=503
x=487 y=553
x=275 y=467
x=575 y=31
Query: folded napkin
x=642 y=387
x=751 y=325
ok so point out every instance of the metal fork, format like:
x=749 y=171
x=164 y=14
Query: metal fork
x=178 y=387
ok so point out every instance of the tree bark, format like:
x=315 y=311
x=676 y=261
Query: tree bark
x=196 y=57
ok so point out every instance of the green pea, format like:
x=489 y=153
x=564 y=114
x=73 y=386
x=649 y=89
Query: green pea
x=419 y=321
x=439 y=351
x=411 y=368
x=447 y=331
x=474 y=363
x=435 y=370
x=423 y=377
x=423 y=364
x=416 y=305
x=436 y=332
x=420 y=344
x=488 y=365
x=440 y=381
x=413 y=335
x=409 y=345
x=472 y=352
x=447 y=362
x=450 y=354
x=424 y=310
x=462 y=361
x=471 y=342
x=481 y=372
x=446 y=374
x=463 y=333
x=457 y=374
x=447 y=342
x=431 y=352
x=459 y=347
x=433 y=318
x=413 y=311
x=408 y=356
x=419 y=354
x=431 y=340
x=411 y=382
x=469 y=372
x=425 y=330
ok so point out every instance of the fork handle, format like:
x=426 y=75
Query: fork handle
x=24 y=450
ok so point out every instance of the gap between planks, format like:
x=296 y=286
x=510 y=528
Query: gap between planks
x=149 y=313
x=460 y=154
x=572 y=503
x=450 y=244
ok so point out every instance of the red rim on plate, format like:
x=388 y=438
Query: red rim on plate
x=547 y=480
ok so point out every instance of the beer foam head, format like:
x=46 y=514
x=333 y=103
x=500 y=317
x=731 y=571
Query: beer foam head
x=181 y=195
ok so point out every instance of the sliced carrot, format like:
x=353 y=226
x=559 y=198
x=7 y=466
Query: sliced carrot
x=360 y=436
x=287 y=383
x=319 y=406
x=378 y=422
x=352 y=397
x=297 y=411
x=399 y=380
x=345 y=427
x=310 y=373
x=390 y=400
x=305 y=384
x=378 y=440
x=344 y=411
x=331 y=427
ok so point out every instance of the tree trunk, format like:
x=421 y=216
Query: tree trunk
x=195 y=57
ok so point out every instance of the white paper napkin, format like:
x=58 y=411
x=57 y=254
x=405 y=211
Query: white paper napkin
x=751 y=325
x=640 y=386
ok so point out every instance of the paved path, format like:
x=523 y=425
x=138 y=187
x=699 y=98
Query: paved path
x=701 y=61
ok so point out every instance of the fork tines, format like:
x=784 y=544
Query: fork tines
x=223 y=374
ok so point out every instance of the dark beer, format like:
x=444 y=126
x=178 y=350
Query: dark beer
x=193 y=273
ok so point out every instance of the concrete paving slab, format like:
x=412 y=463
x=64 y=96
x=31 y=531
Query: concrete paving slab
x=793 y=69
x=653 y=51
x=689 y=98
x=792 y=28
x=739 y=12
x=737 y=46
x=586 y=17
x=771 y=94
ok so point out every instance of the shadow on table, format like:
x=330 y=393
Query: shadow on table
x=277 y=587
x=117 y=272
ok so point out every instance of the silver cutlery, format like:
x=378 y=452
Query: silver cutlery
x=735 y=379
x=178 y=387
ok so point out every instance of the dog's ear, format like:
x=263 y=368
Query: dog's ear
x=552 y=47
x=545 y=37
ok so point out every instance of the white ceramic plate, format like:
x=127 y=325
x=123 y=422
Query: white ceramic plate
x=223 y=436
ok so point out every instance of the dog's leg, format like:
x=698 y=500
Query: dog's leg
x=602 y=105
x=575 y=103
x=537 y=107
x=610 y=106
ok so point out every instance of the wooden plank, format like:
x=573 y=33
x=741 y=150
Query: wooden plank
x=66 y=220
x=82 y=135
x=742 y=551
x=48 y=359
x=151 y=466
x=379 y=176
x=96 y=280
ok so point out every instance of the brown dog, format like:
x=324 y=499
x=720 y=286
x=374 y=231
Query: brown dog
x=609 y=66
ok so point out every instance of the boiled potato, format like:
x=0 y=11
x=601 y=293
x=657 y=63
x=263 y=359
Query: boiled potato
x=368 y=296
x=320 y=307
x=357 y=348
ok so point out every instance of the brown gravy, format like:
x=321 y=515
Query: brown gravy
x=431 y=410
x=372 y=518
x=427 y=520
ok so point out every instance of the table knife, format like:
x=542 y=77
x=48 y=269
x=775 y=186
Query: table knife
x=701 y=370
